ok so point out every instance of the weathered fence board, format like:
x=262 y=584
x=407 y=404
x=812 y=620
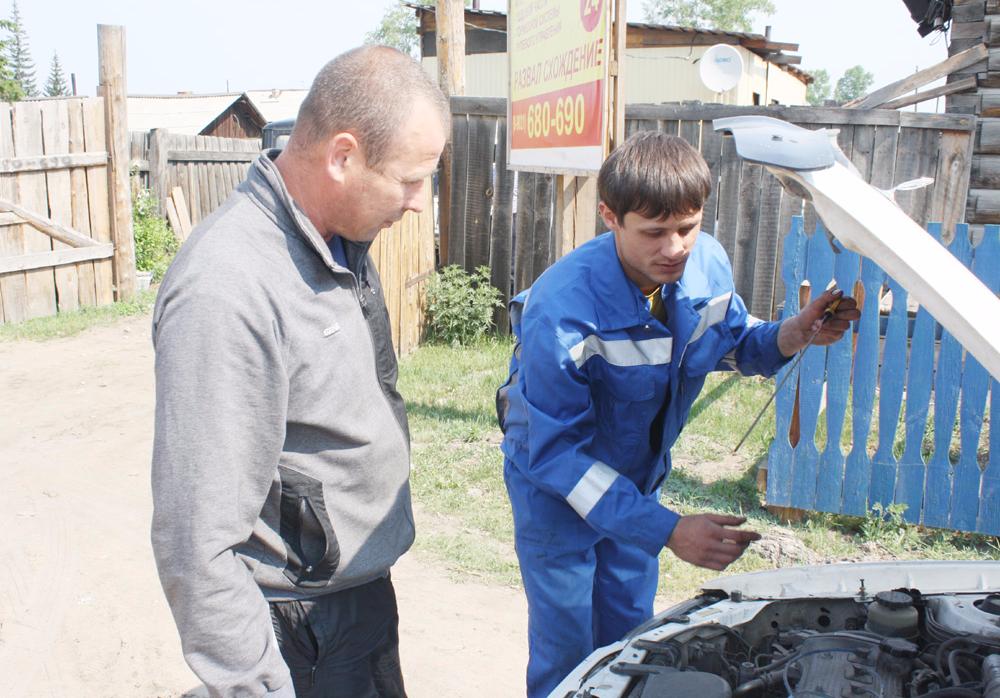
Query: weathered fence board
x=53 y=173
x=206 y=168
x=747 y=211
x=927 y=388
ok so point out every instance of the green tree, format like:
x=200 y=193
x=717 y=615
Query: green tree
x=853 y=84
x=10 y=89
x=56 y=84
x=723 y=15
x=819 y=89
x=18 y=55
x=398 y=29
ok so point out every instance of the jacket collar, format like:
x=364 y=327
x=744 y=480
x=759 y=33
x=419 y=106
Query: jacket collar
x=264 y=183
x=620 y=303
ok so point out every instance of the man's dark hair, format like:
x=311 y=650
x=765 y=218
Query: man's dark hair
x=654 y=175
x=367 y=91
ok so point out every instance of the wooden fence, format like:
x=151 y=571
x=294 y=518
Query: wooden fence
x=748 y=211
x=54 y=178
x=206 y=168
x=850 y=462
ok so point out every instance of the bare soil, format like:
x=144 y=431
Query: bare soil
x=81 y=610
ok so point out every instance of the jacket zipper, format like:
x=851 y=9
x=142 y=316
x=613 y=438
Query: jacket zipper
x=359 y=294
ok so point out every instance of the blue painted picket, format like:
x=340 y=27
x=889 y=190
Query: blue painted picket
x=903 y=368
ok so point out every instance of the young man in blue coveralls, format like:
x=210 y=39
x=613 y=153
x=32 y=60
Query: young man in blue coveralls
x=614 y=342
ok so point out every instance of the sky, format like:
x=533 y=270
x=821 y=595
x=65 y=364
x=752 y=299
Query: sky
x=203 y=46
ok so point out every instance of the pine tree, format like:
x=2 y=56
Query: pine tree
x=10 y=89
x=18 y=54
x=56 y=85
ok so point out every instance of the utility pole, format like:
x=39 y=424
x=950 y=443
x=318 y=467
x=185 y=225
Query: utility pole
x=449 y=20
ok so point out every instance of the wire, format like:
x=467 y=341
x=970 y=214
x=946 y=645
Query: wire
x=784 y=673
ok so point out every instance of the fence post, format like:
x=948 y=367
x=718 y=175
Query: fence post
x=111 y=51
x=158 y=167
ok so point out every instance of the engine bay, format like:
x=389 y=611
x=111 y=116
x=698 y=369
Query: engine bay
x=891 y=643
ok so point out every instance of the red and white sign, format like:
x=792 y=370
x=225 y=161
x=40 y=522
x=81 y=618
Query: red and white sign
x=558 y=85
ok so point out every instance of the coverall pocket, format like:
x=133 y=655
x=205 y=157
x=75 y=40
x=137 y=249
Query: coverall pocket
x=618 y=405
x=311 y=547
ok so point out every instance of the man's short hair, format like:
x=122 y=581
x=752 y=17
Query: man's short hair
x=654 y=175
x=367 y=91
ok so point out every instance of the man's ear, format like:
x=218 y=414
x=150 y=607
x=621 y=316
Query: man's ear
x=343 y=154
x=609 y=217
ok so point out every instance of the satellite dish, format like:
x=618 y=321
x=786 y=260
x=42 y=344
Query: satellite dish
x=720 y=68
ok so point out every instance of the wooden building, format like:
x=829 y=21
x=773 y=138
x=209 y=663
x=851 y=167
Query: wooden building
x=661 y=61
x=975 y=22
x=225 y=115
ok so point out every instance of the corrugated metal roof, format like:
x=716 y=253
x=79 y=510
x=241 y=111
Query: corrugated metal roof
x=182 y=113
x=275 y=105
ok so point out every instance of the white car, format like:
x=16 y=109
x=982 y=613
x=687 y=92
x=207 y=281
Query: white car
x=886 y=629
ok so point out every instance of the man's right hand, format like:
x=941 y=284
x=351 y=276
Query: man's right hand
x=706 y=541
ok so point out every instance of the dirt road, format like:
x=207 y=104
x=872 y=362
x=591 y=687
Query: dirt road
x=81 y=611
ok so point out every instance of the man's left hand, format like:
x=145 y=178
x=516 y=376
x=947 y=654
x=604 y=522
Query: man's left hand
x=795 y=332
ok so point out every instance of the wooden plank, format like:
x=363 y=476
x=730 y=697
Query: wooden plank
x=524 y=230
x=220 y=156
x=711 y=151
x=989 y=500
x=479 y=191
x=13 y=287
x=965 y=498
x=779 y=457
x=830 y=472
x=55 y=161
x=727 y=224
x=55 y=258
x=989 y=136
x=961 y=85
x=544 y=236
x=951 y=179
x=884 y=463
x=748 y=221
x=111 y=70
x=912 y=467
x=806 y=116
x=947 y=379
x=921 y=77
x=31 y=193
x=691 y=132
x=97 y=197
x=55 y=134
x=158 y=166
x=767 y=234
x=908 y=160
x=461 y=146
x=80 y=220
x=858 y=467
x=968 y=30
x=172 y=218
x=47 y=226
x=183 y=216
x=805 y=467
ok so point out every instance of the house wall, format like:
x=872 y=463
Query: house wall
x=653 y=75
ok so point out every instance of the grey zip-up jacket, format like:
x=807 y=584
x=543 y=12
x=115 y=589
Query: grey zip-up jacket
x=281 y=454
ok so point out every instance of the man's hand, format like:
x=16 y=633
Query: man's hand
x=795 y=332
x=704 y=540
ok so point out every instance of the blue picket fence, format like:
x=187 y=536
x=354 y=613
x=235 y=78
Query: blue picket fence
x=942 y=459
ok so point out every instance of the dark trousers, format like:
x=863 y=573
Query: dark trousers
x=344 y=644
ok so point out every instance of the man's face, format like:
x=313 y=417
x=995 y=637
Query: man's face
x=380 y=196
x=653 y=251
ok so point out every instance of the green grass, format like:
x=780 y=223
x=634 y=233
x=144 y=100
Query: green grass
x=73 y=322
x=466 y=523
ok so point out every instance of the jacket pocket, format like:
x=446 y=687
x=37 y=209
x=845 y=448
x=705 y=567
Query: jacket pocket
x=311 y=547
x=621 y=401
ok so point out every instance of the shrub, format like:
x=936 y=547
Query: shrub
x=460 y=305
x=155 y=243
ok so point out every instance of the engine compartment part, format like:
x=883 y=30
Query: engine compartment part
x=895 y=644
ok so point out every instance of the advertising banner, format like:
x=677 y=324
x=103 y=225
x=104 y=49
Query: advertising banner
x=558 y=85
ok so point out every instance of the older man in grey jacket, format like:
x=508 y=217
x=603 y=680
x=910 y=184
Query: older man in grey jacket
x=281 y=455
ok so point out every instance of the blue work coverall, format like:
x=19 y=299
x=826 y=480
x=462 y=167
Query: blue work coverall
x=598 y=392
